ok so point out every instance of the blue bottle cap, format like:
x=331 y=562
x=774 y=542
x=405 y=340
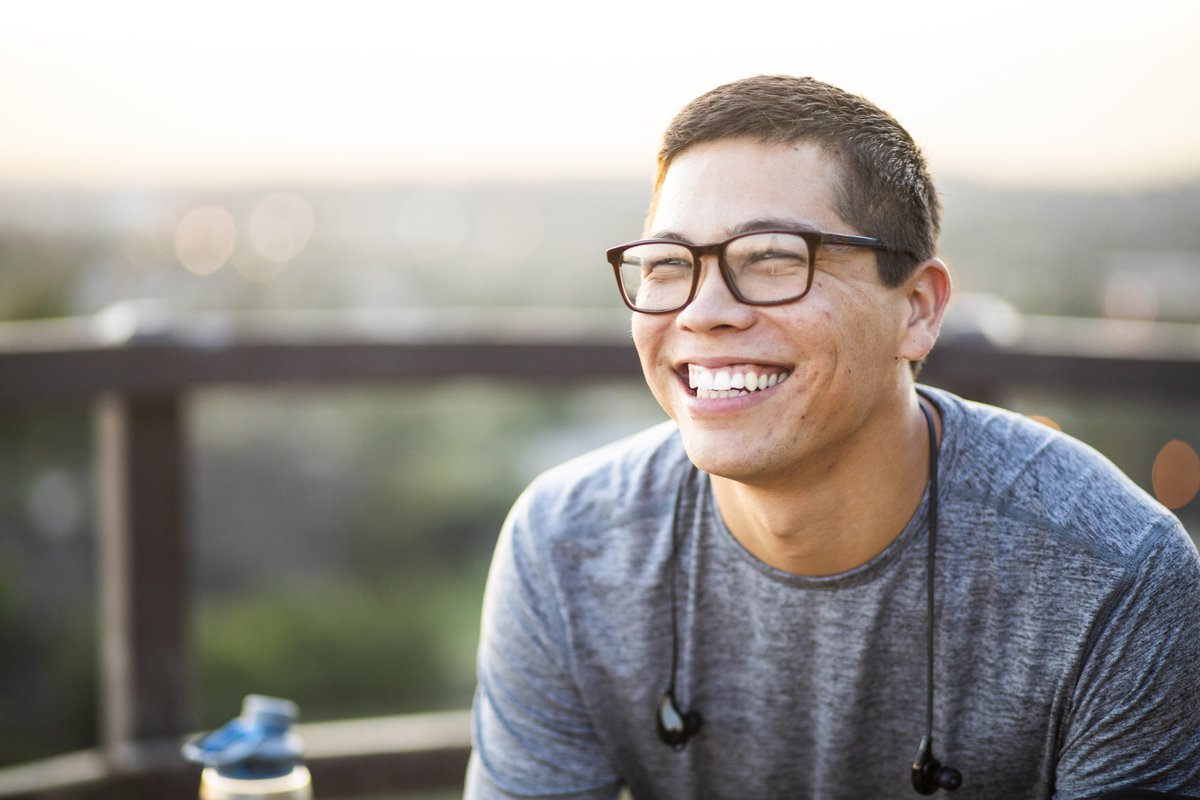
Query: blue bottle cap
x=258 y=744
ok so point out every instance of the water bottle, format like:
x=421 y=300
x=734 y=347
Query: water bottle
x=256 y=756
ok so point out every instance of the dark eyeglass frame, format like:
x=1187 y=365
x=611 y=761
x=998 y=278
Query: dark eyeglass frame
x=813 y=239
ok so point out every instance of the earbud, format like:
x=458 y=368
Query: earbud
x=675 y=728
x=928 y=774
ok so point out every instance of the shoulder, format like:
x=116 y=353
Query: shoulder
x=580 y=530
x=605 y=488
x=1049 y=485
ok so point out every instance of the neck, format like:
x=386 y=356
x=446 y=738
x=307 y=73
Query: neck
x=840 y=513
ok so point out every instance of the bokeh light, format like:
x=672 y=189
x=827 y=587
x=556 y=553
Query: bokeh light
x=55 y=504
x=205 y=238
x=1130 y=295
x=1176 y=474
x=279 y=228
x=281 y=225
x=1045 y=421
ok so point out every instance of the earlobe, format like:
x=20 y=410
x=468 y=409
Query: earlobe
x=927 y=291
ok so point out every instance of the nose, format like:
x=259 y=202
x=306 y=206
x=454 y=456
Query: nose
x=714 y=305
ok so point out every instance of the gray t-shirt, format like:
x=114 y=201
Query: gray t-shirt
x=1067 y=635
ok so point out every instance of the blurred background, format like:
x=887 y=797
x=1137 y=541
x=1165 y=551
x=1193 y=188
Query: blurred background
x=169 y=161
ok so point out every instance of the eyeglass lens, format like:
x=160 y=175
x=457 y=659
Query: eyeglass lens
x=765 y=268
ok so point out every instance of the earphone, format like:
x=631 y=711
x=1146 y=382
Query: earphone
x=676 y=727
x=928 y=774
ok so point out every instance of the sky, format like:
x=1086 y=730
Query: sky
x=125 y=93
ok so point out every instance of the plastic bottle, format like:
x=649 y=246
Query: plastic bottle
x=256 y=756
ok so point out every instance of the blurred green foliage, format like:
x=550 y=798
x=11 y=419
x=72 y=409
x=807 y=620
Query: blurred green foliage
x=341 y=649
x=38 y=273
x=47 y=628
x=408 y=490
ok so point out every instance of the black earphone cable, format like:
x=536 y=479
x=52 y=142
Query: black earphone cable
x=675 y=727
x=929 y=570
x=928 y=774
x=674 y=569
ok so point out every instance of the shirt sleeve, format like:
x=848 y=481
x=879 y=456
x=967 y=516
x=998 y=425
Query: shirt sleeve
x=531 y=733
x=1135 y=716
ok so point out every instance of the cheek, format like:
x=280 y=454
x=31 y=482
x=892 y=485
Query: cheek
x=815 y=328
x=838 y=334
x=647 y=335
x=648 y=340
x=648 y=332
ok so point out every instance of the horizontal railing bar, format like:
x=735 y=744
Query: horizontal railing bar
x=63 y=361
x=76 y=360
x=75 y=376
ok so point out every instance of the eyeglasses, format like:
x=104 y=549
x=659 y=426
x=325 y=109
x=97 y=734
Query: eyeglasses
x=761 y=268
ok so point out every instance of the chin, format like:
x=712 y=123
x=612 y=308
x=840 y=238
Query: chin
x=725 y=461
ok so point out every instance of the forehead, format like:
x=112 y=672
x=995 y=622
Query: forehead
x=714 y=189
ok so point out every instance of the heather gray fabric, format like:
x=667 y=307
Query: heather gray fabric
x=1068 y=636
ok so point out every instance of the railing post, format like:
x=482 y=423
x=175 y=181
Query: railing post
x=143 y=579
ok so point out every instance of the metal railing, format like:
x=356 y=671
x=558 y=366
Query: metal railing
x=137 y=370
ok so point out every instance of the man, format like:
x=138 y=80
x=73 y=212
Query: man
x=744 y=602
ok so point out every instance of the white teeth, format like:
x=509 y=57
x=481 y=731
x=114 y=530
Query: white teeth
x=731 y=382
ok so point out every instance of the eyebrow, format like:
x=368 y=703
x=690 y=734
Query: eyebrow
x=760 y=224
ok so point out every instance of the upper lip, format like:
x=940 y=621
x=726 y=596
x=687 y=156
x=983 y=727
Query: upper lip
x=717 y=362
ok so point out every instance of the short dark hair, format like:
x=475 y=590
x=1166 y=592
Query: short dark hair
x=884 y=188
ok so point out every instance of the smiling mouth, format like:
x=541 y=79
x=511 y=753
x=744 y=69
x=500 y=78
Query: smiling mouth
x=733 y=381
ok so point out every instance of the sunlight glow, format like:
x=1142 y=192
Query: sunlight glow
x=1066 y=93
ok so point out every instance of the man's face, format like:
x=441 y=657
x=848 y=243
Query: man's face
x=829 y=361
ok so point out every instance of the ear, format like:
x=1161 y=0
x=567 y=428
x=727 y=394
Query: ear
x=927 y=291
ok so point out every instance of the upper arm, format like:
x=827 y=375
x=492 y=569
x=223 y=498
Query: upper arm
x=1135 y=715
x=531 y=733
